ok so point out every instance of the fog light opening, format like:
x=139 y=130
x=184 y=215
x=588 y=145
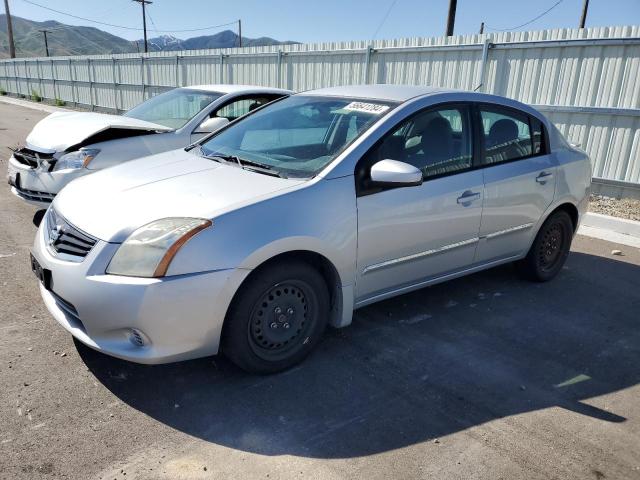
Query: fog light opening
x=138 y=338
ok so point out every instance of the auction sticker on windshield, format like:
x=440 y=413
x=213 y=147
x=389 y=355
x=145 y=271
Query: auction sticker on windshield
x=365 y=107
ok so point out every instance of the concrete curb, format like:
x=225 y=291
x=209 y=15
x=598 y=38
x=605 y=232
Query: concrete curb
x=32 y=105
x=612 y=229
x=619 y=225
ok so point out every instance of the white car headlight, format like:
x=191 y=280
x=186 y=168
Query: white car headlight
x=77 y=159
x=148 y=251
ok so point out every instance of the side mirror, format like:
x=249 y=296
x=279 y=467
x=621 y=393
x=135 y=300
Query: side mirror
x=392 y=173
x=211 y=125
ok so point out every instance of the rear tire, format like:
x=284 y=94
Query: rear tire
x=277 y=318
x=550 y=249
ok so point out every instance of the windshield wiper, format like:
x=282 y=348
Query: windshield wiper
x=248 y=164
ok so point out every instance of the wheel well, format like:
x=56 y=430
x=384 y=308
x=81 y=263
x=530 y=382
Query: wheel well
x=571 y=210
x=323 y=265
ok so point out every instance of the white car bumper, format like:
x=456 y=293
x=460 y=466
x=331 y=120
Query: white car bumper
x=38 y=186
x=177 y=318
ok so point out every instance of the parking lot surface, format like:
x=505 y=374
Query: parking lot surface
x=486 y=376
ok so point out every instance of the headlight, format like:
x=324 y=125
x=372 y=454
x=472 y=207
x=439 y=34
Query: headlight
x=78 y=159
x=149 y=250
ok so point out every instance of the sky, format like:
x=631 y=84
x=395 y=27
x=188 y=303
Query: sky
x=329 y=20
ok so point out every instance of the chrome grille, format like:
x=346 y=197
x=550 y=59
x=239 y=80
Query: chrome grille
x=63 y=237
x=31 y=158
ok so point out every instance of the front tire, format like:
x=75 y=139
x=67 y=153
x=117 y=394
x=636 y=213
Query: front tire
x=550 y=249
x=276 y=318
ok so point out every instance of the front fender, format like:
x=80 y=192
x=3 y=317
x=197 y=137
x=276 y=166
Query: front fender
x=320 y=217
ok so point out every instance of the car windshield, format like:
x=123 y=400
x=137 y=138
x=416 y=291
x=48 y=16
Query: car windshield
x=174 y=108
x=297 y=136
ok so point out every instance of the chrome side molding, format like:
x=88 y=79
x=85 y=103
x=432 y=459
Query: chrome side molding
x=415 y=256
x=508 y=230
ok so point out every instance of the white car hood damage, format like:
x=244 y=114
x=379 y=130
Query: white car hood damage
x=61 y=130
x=111 y=203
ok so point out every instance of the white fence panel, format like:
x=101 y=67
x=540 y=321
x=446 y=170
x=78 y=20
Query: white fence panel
x=586 y=80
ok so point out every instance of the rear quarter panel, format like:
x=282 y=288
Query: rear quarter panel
x=573 y=184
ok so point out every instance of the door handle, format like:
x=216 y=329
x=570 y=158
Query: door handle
x=544 y=177
x=467 y=197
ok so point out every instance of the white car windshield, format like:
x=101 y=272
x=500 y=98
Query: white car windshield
x=296 y=136
x=174 y=108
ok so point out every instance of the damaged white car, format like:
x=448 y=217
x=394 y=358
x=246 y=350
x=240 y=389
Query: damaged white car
x=68 y=145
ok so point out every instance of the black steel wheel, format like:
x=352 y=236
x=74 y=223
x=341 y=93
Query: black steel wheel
x=281 y=319
x=550 y=249
x=276 y=318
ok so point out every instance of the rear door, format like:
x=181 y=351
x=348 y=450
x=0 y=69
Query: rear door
x=519 y=180
x=407 y=235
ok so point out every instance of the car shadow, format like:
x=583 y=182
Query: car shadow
x=413 y=368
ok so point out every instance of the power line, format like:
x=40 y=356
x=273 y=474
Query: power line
x=526 y=23
x=211 y=27
x=384 y=19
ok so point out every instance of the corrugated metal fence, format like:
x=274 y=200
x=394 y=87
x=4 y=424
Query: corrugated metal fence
x=587 y=81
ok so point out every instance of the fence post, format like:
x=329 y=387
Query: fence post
x=485 y=55
x=15 y=75
x=177 y=70
x=142 y=77
x=279 y=69
x=53 y=77
x=367 y=63
x=221 y=68
x=73 y=85
x=26 y=74
x=90 y=83
x=39 y=77
x=115 y=84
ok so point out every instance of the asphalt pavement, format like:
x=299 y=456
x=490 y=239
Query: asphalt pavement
x=483 y=377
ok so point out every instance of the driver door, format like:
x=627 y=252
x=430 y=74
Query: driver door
x=412 y=234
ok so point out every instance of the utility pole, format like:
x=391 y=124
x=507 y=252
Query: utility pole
x=240 y=33
x=481 y=28
x=144 y=21
x=583 y=17
x=12 y=47
x=46 y=44
x=451 y=18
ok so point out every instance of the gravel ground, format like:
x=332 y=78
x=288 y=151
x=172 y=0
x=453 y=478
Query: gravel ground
x=628 y=208
x=483 y=377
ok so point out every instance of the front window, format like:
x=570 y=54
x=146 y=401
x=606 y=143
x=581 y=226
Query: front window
x=436 y=141
x=297 y=136
x=174 y=108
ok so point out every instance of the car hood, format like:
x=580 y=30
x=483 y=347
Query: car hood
x=111 y=203
x=61 y=130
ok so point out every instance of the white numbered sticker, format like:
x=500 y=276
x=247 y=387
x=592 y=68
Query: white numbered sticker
x=365 y=107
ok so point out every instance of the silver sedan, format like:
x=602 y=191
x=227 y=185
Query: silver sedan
x=256 y=238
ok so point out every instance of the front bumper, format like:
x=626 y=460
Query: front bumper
x=38 y=186
x=177 y=317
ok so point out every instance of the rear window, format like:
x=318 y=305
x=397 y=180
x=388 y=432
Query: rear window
x=507 y=135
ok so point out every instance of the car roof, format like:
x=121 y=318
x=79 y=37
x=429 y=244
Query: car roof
x=403 y=93
x=396 y=93
x=226 y=88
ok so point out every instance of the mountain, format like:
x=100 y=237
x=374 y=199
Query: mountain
x=63 y=39
x=73 y=40
x=224 y=39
